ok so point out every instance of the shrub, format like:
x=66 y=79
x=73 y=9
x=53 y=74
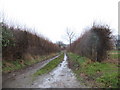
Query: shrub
x=7 y=36
x=18 y=42
x=94 y=43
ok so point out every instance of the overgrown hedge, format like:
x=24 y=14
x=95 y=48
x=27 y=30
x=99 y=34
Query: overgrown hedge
x=94 y=43
x=17 y=43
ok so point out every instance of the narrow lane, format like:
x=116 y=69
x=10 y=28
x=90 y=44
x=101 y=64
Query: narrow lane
x=23 y=78
x=60 y=77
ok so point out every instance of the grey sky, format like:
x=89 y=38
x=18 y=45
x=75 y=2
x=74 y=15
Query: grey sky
x=51 y=17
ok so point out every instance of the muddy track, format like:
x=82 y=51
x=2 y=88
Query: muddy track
x=21 y=77
x=60 y=77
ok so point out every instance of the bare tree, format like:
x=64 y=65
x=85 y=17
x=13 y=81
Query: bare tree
x=70 y=36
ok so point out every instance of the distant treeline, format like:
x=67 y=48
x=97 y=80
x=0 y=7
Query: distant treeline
x=17 y=43
x=94 y=43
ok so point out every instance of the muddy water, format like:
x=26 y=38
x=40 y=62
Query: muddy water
x=60 y=77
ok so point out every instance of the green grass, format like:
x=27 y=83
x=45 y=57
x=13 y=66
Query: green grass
x=50 y=66
x=114 y=51
x=114 y=56
x=10 y=65
x=94 y=74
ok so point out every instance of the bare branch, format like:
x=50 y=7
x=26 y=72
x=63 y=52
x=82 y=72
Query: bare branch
x=70 y=35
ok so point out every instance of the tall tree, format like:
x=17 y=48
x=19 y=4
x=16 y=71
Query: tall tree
x=70 y=36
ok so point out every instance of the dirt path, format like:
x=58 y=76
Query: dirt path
x=60 y=77
x=22 y=78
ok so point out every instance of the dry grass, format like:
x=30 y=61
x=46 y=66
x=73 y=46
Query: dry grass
x=114 y=61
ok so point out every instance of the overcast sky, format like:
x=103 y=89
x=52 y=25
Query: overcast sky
x=51 y=17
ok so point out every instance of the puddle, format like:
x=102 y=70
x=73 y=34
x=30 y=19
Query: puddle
x=60 y=77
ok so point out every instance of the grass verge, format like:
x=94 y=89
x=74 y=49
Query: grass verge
x=10 y=65
x=114 y=54
x=94 y=74
x=50 y=66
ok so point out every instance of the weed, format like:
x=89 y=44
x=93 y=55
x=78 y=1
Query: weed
x=50 y=66
x=95 y=74
x=11 y=65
